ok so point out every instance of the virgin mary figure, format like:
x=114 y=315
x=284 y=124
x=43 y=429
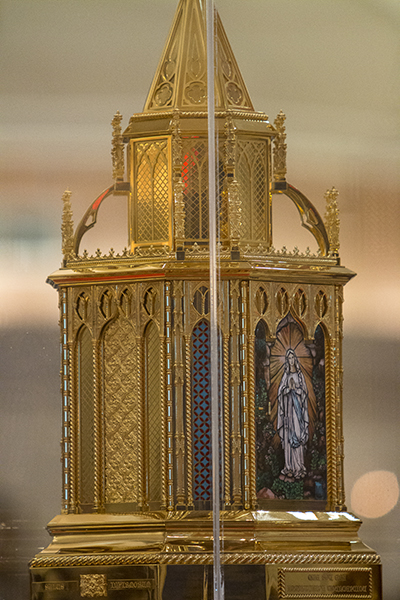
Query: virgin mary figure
x=292 y=418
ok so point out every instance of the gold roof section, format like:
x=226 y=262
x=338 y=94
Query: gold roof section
x=181 y=78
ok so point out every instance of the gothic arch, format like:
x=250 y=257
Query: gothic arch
x=152 y=415
x=85 y=418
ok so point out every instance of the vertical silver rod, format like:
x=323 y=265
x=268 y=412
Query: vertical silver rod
x=210 y=18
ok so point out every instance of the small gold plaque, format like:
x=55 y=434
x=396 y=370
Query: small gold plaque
x=329 y=584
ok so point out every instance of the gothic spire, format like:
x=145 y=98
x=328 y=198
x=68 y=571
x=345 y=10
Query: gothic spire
x=181 y=78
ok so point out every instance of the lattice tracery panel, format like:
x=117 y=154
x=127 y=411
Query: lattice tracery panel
x=120 y=412
x=195 y=179
x=152 y=191
x=201 y=411
x=251 y=174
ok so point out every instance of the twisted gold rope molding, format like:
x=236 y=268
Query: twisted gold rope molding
x=256 y=558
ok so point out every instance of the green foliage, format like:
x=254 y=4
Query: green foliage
x=290 y=490
x=264 y=480
x=318 y=460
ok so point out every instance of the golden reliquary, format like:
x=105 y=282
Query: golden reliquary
x=136 y=519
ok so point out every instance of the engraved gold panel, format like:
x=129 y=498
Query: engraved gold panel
x=153 y=412
x=120 y=412
x=93 y=586
x=86 y=416
x=313 y=583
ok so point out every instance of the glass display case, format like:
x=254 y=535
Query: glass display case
x=277 y=310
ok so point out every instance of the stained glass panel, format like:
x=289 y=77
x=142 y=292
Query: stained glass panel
x=201 y=411
x=290 y=413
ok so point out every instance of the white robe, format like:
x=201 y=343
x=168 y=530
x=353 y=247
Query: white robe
x=293 y=421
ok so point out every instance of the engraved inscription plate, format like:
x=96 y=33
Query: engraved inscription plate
x=54 y=586
x=329 y=584
x=131 y=584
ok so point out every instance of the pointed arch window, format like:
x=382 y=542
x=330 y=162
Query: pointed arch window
x=120 y=412
x=291 y=455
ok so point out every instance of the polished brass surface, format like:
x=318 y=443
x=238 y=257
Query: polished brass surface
x=132 y=517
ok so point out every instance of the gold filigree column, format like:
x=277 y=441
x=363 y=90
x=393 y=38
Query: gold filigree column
x=66 y=402
x=252 y=421
x=178 y=186
x=339 y=395
x=169 y=399
x=330 y=412
x=74 y=462
x=226 y=422
x=188 y=415
x=163 y=400
x=98 y=499
x=140 y=433
x=179 y=382
x=236 y=438
x=244 y=359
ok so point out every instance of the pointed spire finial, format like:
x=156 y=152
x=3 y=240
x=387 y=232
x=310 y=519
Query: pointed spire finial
x=117 y=149
x=280 y=147
x=67 y=226
x=332 y=220
x=181 y=78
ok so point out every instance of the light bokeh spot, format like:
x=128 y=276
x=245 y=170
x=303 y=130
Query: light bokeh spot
x=374 y=494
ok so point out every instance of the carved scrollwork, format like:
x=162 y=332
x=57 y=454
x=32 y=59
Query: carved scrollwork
x=282 y=301
x=321 y=304
x=300 y=302
x=82 y=306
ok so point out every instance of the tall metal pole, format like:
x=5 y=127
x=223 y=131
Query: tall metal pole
x=210 y=18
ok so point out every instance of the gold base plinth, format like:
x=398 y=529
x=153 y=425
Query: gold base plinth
x=159 y=556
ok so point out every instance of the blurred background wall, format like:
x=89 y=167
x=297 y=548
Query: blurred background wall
x=66 y=67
